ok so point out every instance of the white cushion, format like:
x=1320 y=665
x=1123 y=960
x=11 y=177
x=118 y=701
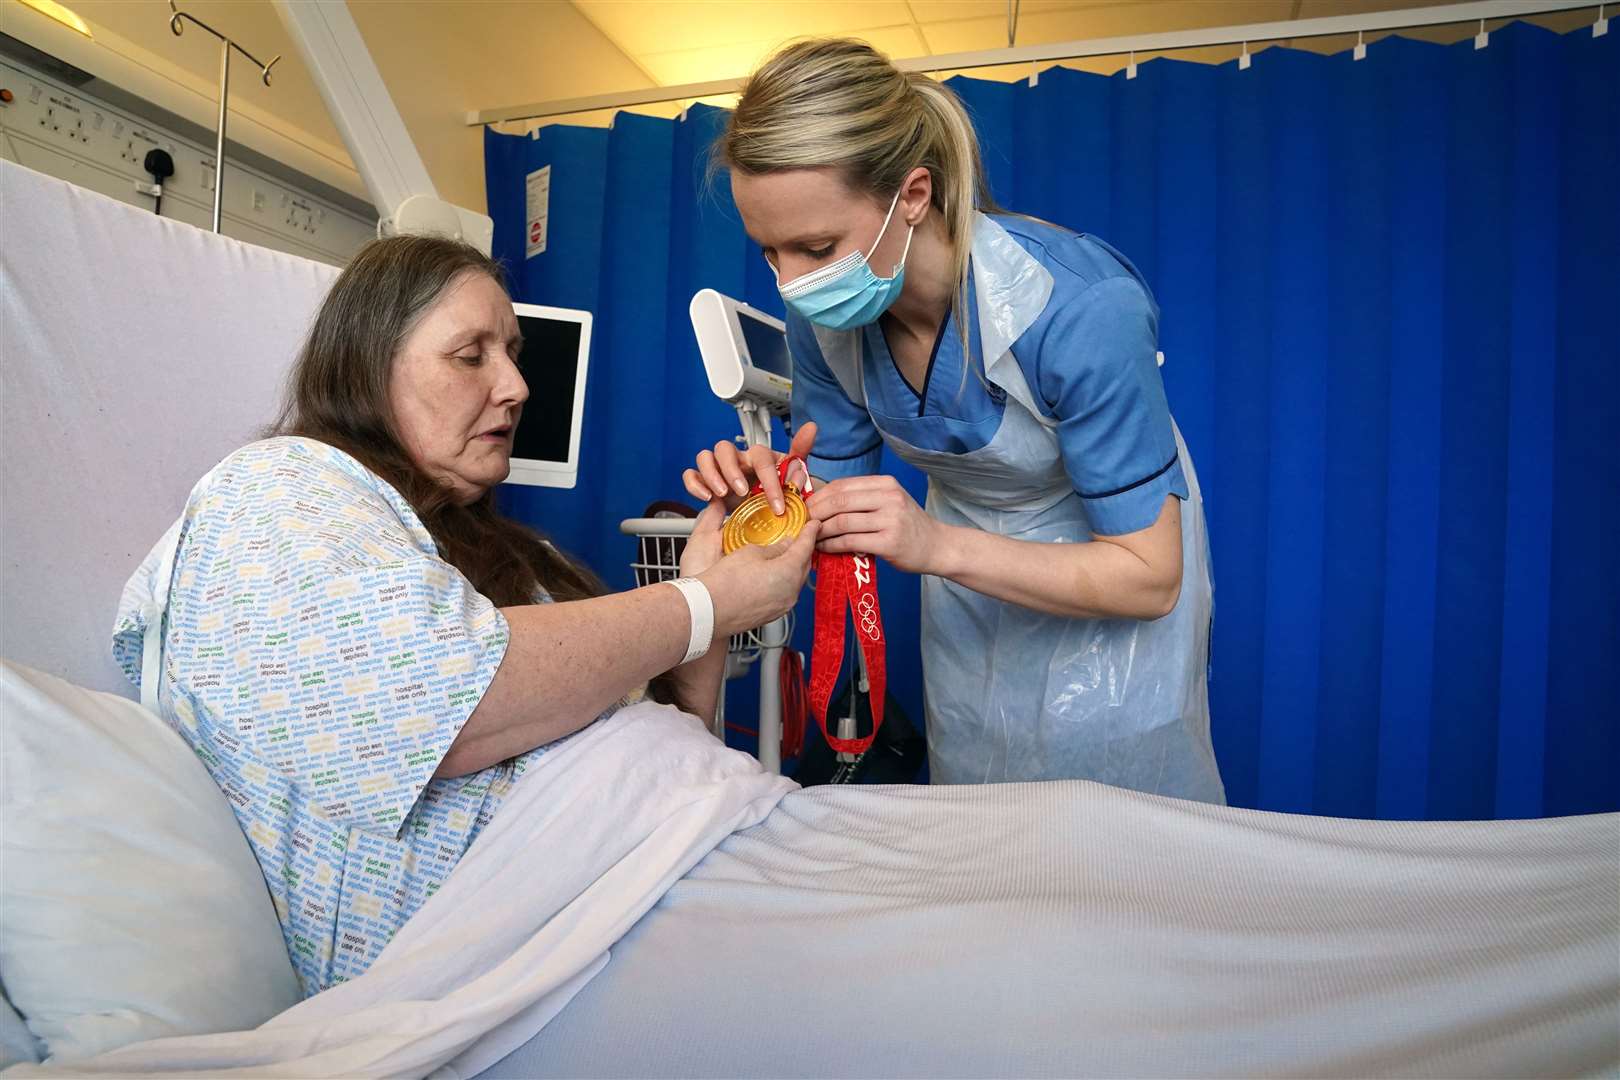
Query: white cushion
x=133 y=907
x=135 y=352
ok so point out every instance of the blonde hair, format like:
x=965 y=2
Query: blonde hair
x=839 y=102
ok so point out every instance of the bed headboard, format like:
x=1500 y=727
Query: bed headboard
x=135 y=352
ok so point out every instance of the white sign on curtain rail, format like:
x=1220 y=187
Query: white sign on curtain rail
x=538 y=184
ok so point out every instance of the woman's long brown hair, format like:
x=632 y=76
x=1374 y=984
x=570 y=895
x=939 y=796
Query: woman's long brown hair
x=338 y=395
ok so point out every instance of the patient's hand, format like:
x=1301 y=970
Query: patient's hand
x=703 y=549
x=755 y=584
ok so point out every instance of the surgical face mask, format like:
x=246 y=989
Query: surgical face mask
x=846 y=294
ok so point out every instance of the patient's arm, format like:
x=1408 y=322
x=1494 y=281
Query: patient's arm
x=567 y=662
x=697 y=685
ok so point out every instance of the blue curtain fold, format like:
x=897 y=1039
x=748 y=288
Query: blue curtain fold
x=1388 y=292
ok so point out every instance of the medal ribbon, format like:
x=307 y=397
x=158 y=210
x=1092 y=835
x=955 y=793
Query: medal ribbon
x=844 y=580
x=852 y=580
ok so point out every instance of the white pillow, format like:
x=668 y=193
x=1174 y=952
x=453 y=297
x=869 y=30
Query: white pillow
x=132 y=905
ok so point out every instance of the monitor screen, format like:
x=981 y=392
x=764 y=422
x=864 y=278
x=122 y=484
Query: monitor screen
x=767 y=346
x=550 y=365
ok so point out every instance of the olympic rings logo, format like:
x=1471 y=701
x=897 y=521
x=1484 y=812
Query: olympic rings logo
x=866 y=613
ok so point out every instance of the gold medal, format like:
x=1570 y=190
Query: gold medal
x=754 y=523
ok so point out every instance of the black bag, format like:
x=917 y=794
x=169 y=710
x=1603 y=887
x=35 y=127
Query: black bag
x=895 y=756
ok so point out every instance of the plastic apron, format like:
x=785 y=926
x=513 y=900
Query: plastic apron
x=1014 y=694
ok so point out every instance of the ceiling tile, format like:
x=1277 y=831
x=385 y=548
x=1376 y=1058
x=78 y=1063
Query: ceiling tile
x=928 y=11
x=699 y=40
x=638 y=27
x=736 y=61
x=1082 y=22
x=1316 y=9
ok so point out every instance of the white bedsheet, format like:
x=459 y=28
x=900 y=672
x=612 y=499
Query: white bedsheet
x=1070 y=929
x=588 y=840
x=1055 y=929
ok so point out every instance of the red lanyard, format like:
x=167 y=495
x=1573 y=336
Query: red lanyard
x=844 y=580
x=850 y=579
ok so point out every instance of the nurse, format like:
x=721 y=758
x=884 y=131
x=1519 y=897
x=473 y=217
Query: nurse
x=1066 y=593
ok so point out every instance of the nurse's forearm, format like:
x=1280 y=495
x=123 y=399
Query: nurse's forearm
x=1130 y=577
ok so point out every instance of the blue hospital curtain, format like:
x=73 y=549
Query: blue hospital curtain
x=1389 y=294
x=635 y=228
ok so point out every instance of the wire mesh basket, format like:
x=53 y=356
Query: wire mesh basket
x=659 y=543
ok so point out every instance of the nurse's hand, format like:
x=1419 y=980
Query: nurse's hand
x=730 y=474
x=874 y=515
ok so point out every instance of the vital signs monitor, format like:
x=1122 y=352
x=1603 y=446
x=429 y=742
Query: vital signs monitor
x=556 y=347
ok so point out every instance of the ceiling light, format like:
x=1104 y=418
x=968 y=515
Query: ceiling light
x=52 y=10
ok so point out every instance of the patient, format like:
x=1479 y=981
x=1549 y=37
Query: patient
x=362 y=650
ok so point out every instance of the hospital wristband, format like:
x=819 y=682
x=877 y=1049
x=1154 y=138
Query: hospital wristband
x=700 y=605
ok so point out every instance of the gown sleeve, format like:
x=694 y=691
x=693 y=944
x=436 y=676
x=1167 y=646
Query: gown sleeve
x=322 y=629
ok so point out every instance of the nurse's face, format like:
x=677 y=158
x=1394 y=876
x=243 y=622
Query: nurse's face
x=455 y=389
x=807 y=218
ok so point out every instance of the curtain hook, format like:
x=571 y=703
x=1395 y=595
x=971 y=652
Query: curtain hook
x=1601 y=27
x=1130 y=66
x=1243 y=58
x=1481 y=39
x=1034 y=74
x=1360 y=52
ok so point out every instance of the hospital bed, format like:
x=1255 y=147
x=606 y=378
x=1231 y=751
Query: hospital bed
x=1025 y=929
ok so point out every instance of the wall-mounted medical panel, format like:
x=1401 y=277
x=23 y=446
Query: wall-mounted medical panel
x=53 y=128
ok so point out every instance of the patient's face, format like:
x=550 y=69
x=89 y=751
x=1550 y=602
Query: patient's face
x=455 y=389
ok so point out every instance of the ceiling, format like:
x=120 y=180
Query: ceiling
x=693 y=40
x=443 y=58
x=438 y=57
x=685 y=41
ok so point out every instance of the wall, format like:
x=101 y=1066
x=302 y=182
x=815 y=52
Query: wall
x=438 y=58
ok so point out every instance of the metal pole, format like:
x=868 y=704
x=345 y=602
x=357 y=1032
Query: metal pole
x=770 y=698
x=848 y=728
x=219 y=137
x=177 y=21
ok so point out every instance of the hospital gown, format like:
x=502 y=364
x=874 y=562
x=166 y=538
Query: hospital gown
x=320 y=659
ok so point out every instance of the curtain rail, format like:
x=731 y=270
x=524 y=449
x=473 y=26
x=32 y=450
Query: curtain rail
x=1326 y=26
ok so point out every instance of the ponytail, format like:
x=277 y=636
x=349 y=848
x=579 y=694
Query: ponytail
x=840 y=103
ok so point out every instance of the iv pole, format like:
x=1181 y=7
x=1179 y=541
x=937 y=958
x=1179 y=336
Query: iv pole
x=225 y=46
